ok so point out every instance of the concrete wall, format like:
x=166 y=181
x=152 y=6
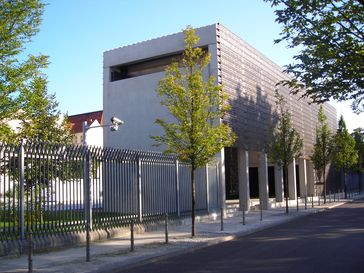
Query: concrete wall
x=134 y=100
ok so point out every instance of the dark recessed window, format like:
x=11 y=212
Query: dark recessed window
x=144 y=67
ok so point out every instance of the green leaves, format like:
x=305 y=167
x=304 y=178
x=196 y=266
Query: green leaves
x=23 y=86
x=344 y=155
x=321 y=155
x=330 y=35
x=197 y=106
x=287 y=143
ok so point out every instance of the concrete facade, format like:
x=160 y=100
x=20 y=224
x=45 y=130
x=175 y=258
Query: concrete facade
x=132 y=74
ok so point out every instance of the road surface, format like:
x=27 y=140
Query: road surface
x=326 y=242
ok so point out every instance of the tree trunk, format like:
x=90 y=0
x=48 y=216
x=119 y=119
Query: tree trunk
x=193 y=195
x=285 y=180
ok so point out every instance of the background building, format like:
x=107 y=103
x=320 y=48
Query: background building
x=94 y=119
x=131 y=76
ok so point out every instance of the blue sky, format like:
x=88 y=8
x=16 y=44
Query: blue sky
x=75 y=33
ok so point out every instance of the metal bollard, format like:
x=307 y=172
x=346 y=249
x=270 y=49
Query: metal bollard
x=87 y=242
x=297 y=204
x=312 y=200
x=30 y=252
x=222 y=219
x=305 y=202
x=132 y=236
x=319 y=200
x=329 y=196
x=261 y=212
x=166 y=227
x=243 y=215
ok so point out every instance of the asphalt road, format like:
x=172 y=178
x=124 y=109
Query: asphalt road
x=326 y=242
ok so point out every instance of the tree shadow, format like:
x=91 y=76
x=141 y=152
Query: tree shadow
x=252 y=117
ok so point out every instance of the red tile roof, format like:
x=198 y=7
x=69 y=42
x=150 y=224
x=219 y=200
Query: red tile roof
x=77 y=120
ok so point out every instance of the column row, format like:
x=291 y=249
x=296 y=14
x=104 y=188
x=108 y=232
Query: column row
x=303 y=183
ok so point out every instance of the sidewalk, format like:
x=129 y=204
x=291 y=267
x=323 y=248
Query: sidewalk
x=115 y=253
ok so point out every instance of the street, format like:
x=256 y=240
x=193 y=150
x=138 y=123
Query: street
x=326 y=242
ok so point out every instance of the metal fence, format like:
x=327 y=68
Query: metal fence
x=53 y=189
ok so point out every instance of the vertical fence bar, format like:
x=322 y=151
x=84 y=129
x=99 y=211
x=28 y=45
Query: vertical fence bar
x=139 y=171
x=21 y=191
x=88 y=193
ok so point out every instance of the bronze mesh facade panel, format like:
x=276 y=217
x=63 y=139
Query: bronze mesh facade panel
x=250 y=80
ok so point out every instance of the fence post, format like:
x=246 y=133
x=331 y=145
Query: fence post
x=140 y=208
x=21 y=191
x=207 y=188
x=177 y=189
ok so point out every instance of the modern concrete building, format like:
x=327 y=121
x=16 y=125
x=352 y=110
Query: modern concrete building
x=131 y=76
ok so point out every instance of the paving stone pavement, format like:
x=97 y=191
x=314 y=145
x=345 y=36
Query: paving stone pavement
x=115 y=252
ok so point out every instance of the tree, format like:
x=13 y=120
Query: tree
x=330 y=37
x=23 y=88
x=197 y=106
x=321 y=155
x=286 y=143
x=344 y=155
x=40 y=119
x=358 y=136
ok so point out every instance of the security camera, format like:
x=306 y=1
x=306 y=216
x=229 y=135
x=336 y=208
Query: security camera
x=116 y=121
x=114 y=128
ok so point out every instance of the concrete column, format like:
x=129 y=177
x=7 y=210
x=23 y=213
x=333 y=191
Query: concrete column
x=278 y=183
x=303 y=176
x=310 y=178
x=292 y=189
x=243 y=175
x=263 y=180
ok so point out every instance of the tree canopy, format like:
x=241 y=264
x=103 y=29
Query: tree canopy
x=321 y=155
x=358 y=136
x=197 y=134
x=286 y=142
x=330 y=37
x=23 y=85
x=344 y=155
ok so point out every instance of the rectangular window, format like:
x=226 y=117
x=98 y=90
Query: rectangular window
x=144 y=67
